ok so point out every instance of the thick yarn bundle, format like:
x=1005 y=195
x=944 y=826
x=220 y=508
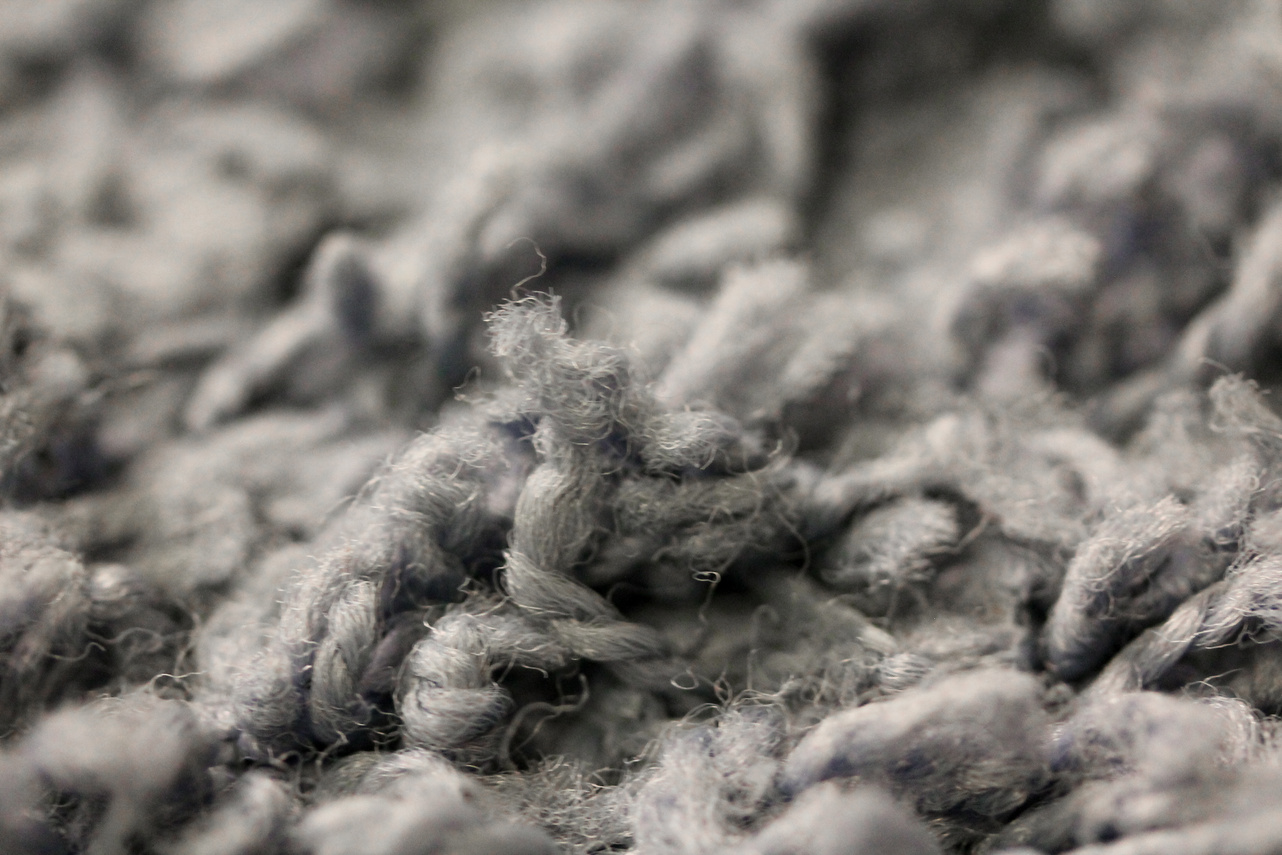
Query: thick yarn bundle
x=787 y=427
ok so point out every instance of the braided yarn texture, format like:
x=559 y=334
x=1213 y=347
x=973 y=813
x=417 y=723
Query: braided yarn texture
x=779 y=427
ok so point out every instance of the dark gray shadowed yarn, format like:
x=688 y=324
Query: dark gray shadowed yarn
x=835 y=427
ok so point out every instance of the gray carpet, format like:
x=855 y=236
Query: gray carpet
x=782 y=427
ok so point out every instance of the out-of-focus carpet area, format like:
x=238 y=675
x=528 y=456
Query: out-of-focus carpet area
x=786 y=427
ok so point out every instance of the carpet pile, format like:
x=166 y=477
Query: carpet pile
x=780 y=427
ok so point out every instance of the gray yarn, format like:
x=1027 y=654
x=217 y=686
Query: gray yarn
x=44 y=618
x=401 y=825
x=431 y=506
x=1115 y=581
x=825 y=820
x=447 y=697
x=114 y=795
x=970 y=743
x=890 y=549
x=709 y=782
x=1136 y=778
x=252 y=817
x=1239 y=606
x=792 y=428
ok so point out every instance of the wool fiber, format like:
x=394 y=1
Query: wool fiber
x=835 y=427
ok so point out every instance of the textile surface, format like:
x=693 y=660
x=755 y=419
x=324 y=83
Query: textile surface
x=787 y=427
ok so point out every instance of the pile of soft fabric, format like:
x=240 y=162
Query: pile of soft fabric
x=790 y=427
